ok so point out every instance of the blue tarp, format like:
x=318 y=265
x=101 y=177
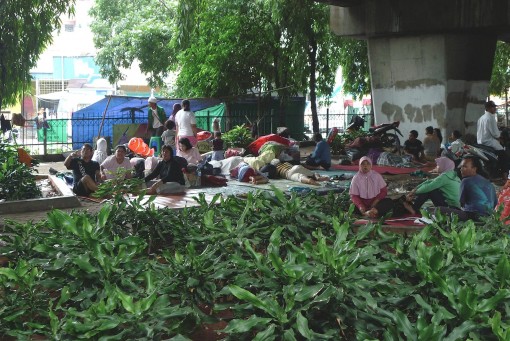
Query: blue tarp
x=121 y=110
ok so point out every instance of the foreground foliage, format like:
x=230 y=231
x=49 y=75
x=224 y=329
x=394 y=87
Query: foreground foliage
x=265 y=268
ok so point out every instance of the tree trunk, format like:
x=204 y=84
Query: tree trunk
x=312 y=58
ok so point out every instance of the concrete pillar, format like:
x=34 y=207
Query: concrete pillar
x=436 y=79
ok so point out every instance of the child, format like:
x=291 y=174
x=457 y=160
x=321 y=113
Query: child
x=218 y=150
x=168 y=135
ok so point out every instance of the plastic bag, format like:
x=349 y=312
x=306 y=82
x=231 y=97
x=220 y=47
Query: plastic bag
x=504 y=199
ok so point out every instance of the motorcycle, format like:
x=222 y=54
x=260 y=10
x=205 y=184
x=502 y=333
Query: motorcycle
x=382 y=131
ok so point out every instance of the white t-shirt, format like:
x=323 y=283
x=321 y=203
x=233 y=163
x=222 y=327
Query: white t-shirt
x=168 y=137
x=156 y=122
x=184 y=120
x=111 y=165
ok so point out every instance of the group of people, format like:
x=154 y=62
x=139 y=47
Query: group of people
x=470 y=198
x=429 y=149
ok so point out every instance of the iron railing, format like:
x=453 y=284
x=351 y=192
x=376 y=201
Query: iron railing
x=56 y=136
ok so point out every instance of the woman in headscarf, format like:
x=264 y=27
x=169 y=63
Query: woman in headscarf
x=100 y=154
x=368 y=191
x=443 y=190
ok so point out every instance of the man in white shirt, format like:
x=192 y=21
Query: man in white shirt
x=111 y=166
x=487 y=134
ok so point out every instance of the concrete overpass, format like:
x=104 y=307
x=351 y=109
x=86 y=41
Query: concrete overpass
x=430 y=60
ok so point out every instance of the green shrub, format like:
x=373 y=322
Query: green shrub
x=17 y=181
x=238 y=137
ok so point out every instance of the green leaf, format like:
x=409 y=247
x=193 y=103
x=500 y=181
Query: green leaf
x=503 y=269
x=404 y=325
x=245 y=325
x=9 y=273
x=83 y=262
x=266 y=335
x=302 y=326
x=126 y=300
x=461 y=332
x=308 y=292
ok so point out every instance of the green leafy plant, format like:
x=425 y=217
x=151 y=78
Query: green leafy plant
x=119 y=186
x=269 y=266
x=237 y=137
x=17 y=181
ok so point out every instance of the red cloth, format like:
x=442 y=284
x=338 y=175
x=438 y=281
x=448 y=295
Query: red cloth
x=255 y=145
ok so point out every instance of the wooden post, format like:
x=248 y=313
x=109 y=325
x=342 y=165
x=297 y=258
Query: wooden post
x=104 y=115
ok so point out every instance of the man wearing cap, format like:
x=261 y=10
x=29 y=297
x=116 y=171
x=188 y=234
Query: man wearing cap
x=156 y=118
x=487 y=134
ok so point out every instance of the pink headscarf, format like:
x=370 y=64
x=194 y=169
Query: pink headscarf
x=366 y=185
x=444 y=164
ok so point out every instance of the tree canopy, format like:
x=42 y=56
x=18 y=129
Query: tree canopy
x=25 y=30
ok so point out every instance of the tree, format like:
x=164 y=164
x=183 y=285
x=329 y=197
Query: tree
x=355 y=67
x=500 y=78
x=308 y=23
x=25 y=30
x=140 y=31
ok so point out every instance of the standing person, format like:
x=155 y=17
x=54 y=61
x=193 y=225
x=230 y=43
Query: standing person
x=216 y=125
x=171 y=178
x=413 y=146
x=368 y=191
x=186 y=124
x=111 y=166
x=217 y=147
x=487 y=134
x=168 y=135
x=477 y=194
x=86 y=173
x=443 y=190
x=439 y=135
x=431 y=144
x=321 y=156
x=156 y=118
x=175 y=110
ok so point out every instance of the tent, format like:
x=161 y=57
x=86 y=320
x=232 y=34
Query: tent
x=122 y=111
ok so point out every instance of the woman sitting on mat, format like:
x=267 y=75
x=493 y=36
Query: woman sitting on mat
x=368 y=191
x=187 y=151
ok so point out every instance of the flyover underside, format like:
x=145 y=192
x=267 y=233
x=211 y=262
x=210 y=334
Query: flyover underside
x=430 y=61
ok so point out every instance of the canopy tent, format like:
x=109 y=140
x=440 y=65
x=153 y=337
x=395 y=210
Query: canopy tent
x=121 y=110
x=206 y=116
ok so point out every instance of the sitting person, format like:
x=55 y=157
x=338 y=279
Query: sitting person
x=187 y=151
x=368 y=191
x=217 y=147
x=112 y=166
x=477 y=194
x=245 y=173
x=298 y=173
x=431 y=144
x=443 y=190
x=456 y=148
x=413 y=146
x=100 y=154
x=321 y=156
x=171 y=178
x=168 y=136
x=85 y=171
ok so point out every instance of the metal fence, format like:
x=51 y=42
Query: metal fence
x=55 y=135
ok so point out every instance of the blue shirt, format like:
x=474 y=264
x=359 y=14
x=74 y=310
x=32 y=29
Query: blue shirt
x=322 y=152
x=477 y=194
